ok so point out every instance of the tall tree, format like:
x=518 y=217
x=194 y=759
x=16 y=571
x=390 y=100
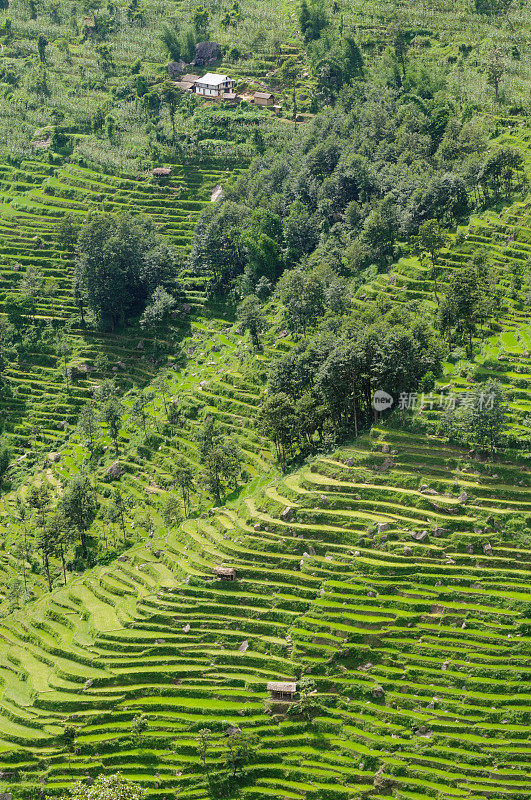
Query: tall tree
x=80 y=506
x=495 y=71
x=184 y=479
x=431 y=238
x=252 y=318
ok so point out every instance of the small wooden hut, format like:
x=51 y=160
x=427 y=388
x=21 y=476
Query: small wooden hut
x=225 y=573
x=282 y=691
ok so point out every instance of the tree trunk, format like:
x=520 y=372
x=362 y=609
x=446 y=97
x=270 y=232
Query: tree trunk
x=47 y=568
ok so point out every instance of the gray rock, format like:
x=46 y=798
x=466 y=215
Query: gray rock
x=287 y=514
x=114 y=471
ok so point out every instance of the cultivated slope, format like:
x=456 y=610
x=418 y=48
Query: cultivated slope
x=408 y=608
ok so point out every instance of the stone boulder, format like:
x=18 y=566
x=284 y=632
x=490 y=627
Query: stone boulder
x=113 y=472
x=287 y=514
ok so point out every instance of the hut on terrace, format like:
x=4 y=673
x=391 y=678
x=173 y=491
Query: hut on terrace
x=225 y=573
x=264 y=99
x=282 y=691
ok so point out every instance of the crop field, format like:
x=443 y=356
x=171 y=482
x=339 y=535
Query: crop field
x=392 y=575
x=406 y=608
x=38 y=405
x=387 y=575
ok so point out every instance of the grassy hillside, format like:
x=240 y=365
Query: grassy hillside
x=388 y=576
x=402 y=601
x=410 y=622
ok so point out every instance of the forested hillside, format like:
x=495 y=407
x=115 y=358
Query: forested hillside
x=265 y=525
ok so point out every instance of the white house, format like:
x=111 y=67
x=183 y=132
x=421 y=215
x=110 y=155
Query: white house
x=213 y=85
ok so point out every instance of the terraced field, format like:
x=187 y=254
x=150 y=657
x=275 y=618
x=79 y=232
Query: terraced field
x=390 y=579
x=407 y=608
x=37 y=403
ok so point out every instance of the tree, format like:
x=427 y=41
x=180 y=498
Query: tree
x=42 y=43
x=88 y=425
x=489 y=415
x=105 y=59
x=430 y=240
x=463 y=303
x=240 y=750
x=171 y=96
x=353 y=66
x=139 y=725
x=171 y=512
x=60 y=531
x=380 y=231
x=300 y=231
x=312 y=20
x=252 y=318
x=67 y=234
x=222 y=464
x=302 y=295
x=64 y=349
x=106 y=787
x=218 y=248
x=495 y=70
x=159 y=309
x=5 y=462
x=80 y=506
x=117 y=510
x=184 y=479
x=492 y=7
x=400 y=46
x=120 y=263
x=277 y=422
x=170 y=39
x=203 y=743
x=499 y=169
x=289 y=71
x=138 y=409
x=39 y=498
x=46 y=544
x=111 y=416
x=68 y=738
x=200 y=22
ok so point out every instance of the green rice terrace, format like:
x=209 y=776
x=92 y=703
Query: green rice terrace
x=405 y=619
x=225 y=571
x=388 y=579
x=34 y=200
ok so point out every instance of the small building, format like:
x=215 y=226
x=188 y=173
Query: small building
x=161 y=172
x=187 y=82
x=225 y=573
x=282 y=691
x=264 y=99
x=214 y=86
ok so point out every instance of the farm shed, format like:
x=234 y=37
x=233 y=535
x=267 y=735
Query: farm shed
x=283 y=691
x=264 y=99
x=225 y=573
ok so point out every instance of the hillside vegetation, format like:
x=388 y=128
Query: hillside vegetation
x=191 y=366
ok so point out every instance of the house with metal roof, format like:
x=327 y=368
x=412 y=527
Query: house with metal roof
x=214 y=86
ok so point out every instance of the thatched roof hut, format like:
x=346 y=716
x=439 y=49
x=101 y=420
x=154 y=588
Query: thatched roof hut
x=225 y=573
x=283 y=691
